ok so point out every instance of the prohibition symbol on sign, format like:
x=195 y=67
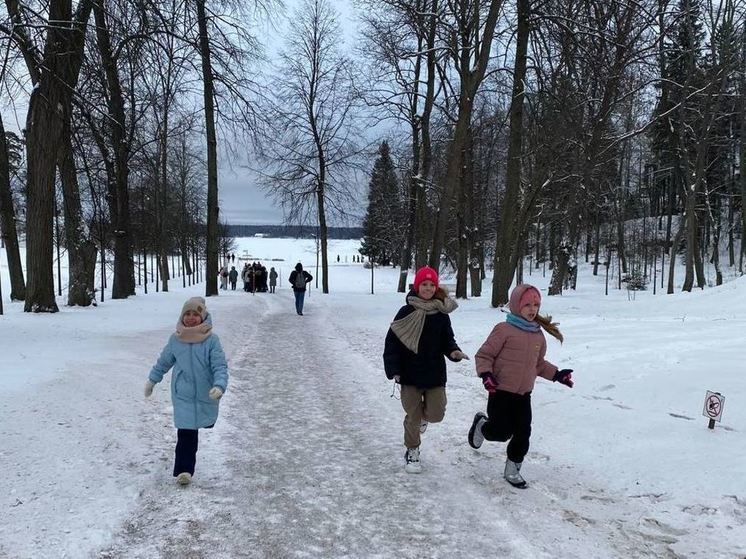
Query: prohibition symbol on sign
x=714 y=402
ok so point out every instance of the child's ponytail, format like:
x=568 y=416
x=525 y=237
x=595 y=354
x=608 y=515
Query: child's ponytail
x=549 y=327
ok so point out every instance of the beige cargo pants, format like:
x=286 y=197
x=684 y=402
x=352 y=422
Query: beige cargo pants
x=421 y=404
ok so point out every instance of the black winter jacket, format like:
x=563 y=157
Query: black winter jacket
x=308 y=277
x=426 y=368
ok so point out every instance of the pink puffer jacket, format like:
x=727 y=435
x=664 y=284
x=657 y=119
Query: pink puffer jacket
x=515 y=356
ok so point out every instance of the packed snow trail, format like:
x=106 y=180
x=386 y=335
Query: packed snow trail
x=307 y=461
x=305 y=466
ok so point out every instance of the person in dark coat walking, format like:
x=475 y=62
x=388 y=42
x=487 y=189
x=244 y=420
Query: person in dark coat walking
x=233 y=277
x=416 y=344
x=299 y=278
x=272 y=279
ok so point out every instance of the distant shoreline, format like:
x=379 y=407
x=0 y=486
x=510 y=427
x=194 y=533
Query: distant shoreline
x=292 y=231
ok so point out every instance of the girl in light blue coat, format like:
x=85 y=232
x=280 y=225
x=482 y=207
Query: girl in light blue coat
x=199 y=380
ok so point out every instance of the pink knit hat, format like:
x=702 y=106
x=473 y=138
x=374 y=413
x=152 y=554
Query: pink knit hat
x=523 y=294
x=423 y=274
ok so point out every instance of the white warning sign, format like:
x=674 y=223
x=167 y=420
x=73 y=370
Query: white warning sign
x=714 y=402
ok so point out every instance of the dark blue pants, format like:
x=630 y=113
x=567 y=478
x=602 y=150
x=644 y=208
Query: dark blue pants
x=509 y=419
x=299 y=297
x=186 y=451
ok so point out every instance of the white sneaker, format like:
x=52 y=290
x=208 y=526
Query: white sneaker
x=423 y=426
x=476 y=438
x=184 y=478
x=513 y=474
x=412 y=458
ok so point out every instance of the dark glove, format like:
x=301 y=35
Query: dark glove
x=564 y=376
x=489 y=382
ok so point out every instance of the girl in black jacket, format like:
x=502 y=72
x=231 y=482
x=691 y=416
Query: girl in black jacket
x=419 y=338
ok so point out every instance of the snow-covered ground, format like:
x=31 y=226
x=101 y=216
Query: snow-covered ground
x=306 y=459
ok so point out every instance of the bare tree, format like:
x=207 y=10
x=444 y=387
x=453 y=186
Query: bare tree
x=470 y=39
x=508 y=250
x=400 y=54
x=54 y=73
x=211 y=287
x=8 y=230
x=310 y=145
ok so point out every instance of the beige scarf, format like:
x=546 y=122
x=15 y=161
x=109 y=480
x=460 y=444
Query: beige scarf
x=409 y=328
x=193 y=334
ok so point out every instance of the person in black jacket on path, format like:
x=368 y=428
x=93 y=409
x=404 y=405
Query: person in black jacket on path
x=416 y=344
x=299 y=278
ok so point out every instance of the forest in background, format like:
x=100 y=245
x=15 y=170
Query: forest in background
x=539 y=132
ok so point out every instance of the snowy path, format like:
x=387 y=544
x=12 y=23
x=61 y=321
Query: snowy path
x=307 y=462
x=306 y=469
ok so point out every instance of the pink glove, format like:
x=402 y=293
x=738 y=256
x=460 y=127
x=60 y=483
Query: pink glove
x=489 y=382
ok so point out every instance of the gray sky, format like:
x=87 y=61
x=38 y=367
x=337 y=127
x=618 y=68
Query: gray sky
x=241 y=201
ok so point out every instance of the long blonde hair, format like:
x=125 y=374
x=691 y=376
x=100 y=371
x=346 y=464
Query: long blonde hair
x=550 y=327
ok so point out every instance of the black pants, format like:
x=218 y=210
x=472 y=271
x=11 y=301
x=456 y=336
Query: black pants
x=186 y=451
x=509 y=418
x=233 y=285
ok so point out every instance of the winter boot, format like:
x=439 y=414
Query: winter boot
x=412 y=458
x=513 y=474
x=476 y=438
x=184 y=478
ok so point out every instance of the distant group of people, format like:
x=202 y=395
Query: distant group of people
x=254 y=276
x=257 y=279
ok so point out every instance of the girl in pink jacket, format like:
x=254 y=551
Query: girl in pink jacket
x=508 y=363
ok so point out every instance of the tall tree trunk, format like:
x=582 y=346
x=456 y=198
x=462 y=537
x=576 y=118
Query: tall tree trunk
x=211 y=285
x=472 y=47
x=742 y=154
x=162 y=241
x=413 y=190
x=124 y=272
x=672 y=256
x=462 y=242
x=323 y=236
x=506 y=246
x=8 y=223
x=49 y=100
x=81 y=250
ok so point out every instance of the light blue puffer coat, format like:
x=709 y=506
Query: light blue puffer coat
x=197 y=368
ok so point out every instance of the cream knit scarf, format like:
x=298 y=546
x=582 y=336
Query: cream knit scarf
x=193 y=334
x=409 y=328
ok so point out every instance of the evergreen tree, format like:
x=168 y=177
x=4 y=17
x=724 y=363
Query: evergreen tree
x=383 y=227
x=681 y=73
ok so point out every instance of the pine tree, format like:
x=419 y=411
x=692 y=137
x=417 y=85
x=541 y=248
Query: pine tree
x=383 y=226
x=681 y=54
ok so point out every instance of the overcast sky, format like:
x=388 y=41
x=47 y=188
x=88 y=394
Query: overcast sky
x=241 y=201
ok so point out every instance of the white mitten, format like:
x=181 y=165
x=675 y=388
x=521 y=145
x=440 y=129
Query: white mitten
x=215 y=393
x=149 y=388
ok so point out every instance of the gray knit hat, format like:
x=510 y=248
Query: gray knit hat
x=196 y=304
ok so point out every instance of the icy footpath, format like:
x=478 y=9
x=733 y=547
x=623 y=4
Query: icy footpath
x=304 y=464
x=307 y=461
